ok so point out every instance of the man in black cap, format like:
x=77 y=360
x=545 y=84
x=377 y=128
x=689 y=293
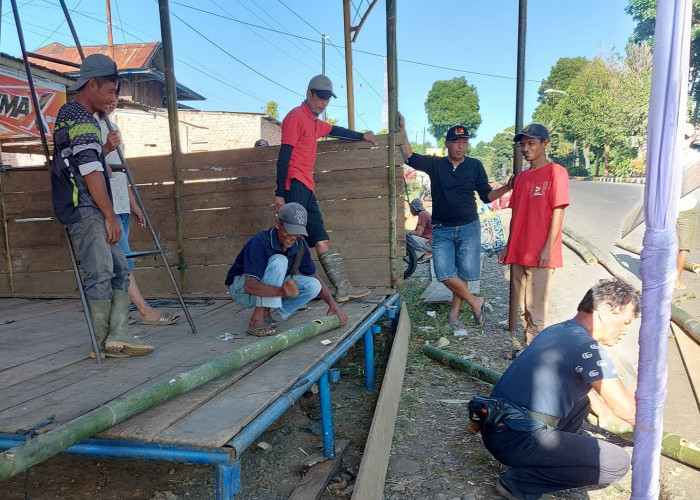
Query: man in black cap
x=301 y=128
x=540 y=195
x=274 y=270
x=456 y=229
x=82 y=201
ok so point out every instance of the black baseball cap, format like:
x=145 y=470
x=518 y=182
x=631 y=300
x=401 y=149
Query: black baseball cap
x=457 y=132
x=535 y=130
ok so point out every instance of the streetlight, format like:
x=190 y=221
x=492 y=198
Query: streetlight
x=323 y=53
x=549 y=91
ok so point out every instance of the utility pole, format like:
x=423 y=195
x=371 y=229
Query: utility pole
x=110 y=41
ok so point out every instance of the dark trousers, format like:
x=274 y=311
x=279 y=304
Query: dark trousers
x=551 y=459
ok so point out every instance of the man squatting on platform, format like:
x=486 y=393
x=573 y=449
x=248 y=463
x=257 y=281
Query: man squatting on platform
x=301 y=128
x=543 y=398
x=264 y=274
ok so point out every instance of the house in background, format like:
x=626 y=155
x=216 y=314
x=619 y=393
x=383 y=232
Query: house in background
x=141 y=66
x=142 y=114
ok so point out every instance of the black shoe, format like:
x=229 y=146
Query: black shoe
x=505 y=491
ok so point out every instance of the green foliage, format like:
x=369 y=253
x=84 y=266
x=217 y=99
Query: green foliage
x=271 y=110
x=452 y=102
x=497 y=155
x=578 y=171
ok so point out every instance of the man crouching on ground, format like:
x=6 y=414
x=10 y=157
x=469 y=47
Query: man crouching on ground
x=264 y=275
x=549 y=385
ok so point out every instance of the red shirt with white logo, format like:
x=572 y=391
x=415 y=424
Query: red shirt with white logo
x=301 y=129
x=536 y=193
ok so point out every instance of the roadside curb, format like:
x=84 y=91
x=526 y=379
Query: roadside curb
x=628 y=180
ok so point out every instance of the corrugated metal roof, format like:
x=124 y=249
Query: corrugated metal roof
x=127 y=56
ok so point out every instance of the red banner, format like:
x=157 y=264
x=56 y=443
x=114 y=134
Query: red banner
x=17 y=116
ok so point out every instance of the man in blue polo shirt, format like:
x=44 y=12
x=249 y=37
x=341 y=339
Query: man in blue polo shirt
x=548 y=388
x=274 y=270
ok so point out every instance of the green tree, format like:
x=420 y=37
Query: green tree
x=271 y=110
x=643 y=13
x=452 y=102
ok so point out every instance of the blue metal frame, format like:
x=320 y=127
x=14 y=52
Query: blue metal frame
x=228 y=458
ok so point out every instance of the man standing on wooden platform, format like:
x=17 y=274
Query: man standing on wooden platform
x=301 y=128
x=274 y=270
x=82 y=201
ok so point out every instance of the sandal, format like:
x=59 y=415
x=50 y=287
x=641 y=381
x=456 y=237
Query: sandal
x=510 y=356
x=164 y=320
x=262 y=331
x=458 y=328
x=480 y=319
x=272 y=322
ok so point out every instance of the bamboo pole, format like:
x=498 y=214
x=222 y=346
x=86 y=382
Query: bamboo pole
x=579 y=249
x=53 y=442
x=672 y=445
x=689 y=266
x=462 y=364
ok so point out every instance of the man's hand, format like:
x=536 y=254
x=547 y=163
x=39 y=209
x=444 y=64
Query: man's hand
x=511 y=181
x=369 y=137
x=112 y=143
x=544 y=256
x=114 y=229
x=289 y=289
x=502 y=256
x=138 y=215
x=335 y=309
x=402 y=123
x=279 y=203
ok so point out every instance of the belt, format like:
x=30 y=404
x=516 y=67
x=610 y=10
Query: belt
x=543 y=417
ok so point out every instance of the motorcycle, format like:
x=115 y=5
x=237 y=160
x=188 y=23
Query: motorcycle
x=410 y=260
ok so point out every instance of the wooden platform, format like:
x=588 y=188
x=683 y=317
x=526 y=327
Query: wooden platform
x=45 y=370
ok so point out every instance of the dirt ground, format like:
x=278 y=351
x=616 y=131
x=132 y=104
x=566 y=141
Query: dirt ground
x=432 y=458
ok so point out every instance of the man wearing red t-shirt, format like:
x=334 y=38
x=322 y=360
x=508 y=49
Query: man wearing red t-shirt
x=540 y=195
x=301 y=128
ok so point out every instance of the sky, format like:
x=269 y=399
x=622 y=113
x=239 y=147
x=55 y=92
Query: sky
x=240 y=54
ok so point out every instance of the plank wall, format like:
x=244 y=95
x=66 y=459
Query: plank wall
x=225 y=197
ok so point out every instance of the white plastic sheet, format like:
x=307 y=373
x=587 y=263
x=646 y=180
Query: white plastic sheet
x=667 y=113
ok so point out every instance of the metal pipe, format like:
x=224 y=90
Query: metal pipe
x=369 y=359
x=40 y=125
x=324 y=395
x=171 y=86
x=228 y=480
x=5 y=226
x=348 y=65
x=392 y=85
x=267 y=417
x=53 y=59
x=517 y=153
x=72 y=29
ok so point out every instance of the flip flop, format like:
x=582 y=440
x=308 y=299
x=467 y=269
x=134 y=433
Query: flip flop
x=131 y=321
x=164 y=320
x=272 y=322
x=480 y=319
x=262 y=331
x=458 y=328
x=510 y=356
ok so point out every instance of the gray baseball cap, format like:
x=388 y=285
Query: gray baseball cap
x=417 y=205
x=322 y=86
x=93 y=66
x=293 y=217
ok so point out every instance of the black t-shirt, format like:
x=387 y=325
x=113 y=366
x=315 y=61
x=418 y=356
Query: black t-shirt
x=452 y=188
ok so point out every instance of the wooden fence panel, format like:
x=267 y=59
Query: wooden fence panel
x=225 y=197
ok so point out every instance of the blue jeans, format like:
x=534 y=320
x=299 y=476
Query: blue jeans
x=123 y=243
x=457 y=251
x=309 y=288
x=104 y=265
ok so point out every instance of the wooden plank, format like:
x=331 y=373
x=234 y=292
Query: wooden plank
x=314 y=482
x=375 y=460
x=217 y=421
